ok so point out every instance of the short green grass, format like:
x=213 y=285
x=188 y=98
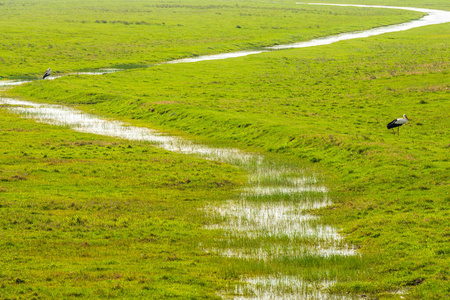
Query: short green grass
x=327 y=107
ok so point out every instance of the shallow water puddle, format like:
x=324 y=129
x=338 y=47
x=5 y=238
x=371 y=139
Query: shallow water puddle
x=271 y=252
x=280 y=190
x=8 y=83
x=272 y=219
x=83 y=122
x=286 y=288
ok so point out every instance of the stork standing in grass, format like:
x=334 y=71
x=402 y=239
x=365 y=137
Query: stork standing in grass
x=397 y=123
x=47 y=73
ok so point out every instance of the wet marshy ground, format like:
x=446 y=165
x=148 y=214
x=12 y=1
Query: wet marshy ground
x=285 y=250
x=271 y=220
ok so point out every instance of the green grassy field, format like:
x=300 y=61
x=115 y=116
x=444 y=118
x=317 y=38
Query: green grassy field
x=326 y=107
x=74 y=35
x=93 y=217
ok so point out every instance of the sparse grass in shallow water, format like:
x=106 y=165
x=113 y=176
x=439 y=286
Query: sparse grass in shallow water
x=251 y=222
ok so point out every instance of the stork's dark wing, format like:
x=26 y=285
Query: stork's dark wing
x=393 y=124
x=47 y=73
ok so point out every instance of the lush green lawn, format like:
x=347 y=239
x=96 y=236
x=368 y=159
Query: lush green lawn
x=327 y=106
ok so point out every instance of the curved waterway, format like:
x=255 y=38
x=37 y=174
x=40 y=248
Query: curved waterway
x=433 y=16
x=272 y=219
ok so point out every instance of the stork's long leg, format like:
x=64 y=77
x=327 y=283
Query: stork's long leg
x=398 y=131
x=393 y=131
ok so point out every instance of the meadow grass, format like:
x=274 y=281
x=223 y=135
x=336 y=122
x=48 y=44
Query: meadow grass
x=327 y=108
x=326 y=105
x=94 y=217
x=73 y=35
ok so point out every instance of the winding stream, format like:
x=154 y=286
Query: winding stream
x=432 y=17
x=272 y=218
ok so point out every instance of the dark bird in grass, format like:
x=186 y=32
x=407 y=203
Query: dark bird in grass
x=47 y=73
x=397 y=123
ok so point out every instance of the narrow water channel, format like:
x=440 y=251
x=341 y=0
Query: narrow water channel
x=271 y=223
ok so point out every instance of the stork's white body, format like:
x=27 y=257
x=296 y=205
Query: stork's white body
x=47 y=73
x=397 y=123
